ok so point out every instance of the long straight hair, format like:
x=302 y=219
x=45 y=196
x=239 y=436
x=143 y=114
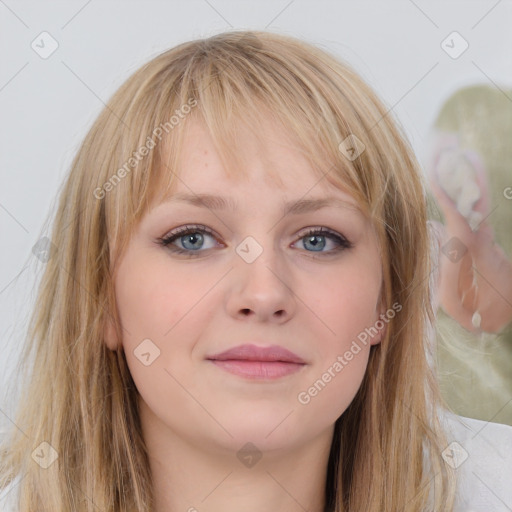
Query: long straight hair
x=80 y=397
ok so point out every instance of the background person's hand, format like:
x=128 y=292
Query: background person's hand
x=475 y=276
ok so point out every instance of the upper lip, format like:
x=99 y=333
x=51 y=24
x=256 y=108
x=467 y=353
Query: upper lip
x=250 y=352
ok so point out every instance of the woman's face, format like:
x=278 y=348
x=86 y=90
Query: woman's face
x=247 y=273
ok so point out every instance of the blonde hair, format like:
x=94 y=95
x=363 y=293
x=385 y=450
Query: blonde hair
x=80 y=398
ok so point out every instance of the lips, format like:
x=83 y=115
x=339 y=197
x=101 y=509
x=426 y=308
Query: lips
x=258 y=363
x=251 y=352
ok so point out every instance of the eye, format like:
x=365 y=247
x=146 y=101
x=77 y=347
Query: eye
x=317 y=239
x=190 y=240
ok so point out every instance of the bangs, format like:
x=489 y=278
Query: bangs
x=244 y=81
x=238 y=85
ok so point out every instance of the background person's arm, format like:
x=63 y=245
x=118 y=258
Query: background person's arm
x=475 y=277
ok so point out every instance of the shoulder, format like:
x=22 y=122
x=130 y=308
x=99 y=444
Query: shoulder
x=481 y=453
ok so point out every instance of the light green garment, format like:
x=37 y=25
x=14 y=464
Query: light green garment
x=475 y=371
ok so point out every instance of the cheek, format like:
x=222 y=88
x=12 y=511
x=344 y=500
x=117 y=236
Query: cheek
x=347 y=304
x=334 y=384
x=341 y=365
x=154 y=304
x=158 y=309
x=152 y=298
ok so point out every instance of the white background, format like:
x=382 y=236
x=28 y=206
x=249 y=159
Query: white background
x=47 y=105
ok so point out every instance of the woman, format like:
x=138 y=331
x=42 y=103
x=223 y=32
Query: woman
x=235 y=314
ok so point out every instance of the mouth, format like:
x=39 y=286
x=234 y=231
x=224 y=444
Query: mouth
x=253 y=362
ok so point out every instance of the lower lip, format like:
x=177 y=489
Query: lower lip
x=258 y=369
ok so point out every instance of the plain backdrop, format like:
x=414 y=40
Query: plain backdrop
x=48 y=104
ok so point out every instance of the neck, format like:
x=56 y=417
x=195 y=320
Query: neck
x=188 y=477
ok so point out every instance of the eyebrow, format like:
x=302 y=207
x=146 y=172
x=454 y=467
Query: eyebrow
x=298 y=207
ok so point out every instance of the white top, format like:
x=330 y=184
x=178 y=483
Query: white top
x=481 y=453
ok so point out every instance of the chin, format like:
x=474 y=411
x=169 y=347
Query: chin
x=265 y=428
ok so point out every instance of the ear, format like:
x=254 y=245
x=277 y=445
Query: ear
x=110 y=336
x=381 y=324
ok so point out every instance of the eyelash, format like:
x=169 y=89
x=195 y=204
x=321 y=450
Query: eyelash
x=167 y=240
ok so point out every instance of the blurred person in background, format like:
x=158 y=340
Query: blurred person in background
x=470 y=172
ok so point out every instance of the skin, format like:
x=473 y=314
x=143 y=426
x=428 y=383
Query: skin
x=196 y=416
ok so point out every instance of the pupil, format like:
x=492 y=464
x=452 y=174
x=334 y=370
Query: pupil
x=193 y=239
x=315 y=241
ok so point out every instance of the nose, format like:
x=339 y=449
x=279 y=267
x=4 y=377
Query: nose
x=261 y=290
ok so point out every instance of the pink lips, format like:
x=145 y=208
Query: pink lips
x=256 y=362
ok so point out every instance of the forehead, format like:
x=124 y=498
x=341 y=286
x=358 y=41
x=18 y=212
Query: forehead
x=265 y=160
